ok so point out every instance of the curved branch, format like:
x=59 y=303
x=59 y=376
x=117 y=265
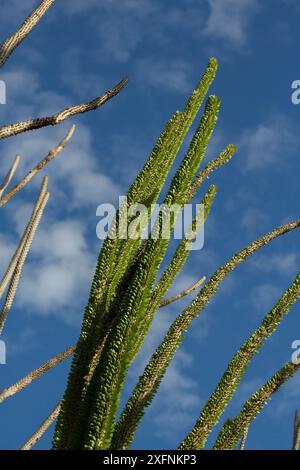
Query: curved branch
x=31 y=124
x=223 y=158
x=233 y=429
x=230 y=380
x=150 y=380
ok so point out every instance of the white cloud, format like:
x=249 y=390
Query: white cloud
x=265 y=296
x=229 y=19
x=178 y=402
x=58 y=275
x=270 y=144
x=172 y=75
x=241 y=197
x=132 y=27
x=77 y=77
x=284 y=263
x=75 y=171
x=74 y=175
x=26 y=340
x=60 y=264
x=121 y=26
x=254 y=220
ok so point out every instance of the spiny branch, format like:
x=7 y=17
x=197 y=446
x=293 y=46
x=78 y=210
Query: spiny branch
x=296 y=437
x=237 y=367
x=54 y=361
x=11 y=43
x=233 y=430
x=223 y=158
x=244 y=439
x=115 y=261
x=31 y=124
x=50 y=156
x=36 y=373
x=150 y=380
x=42 y=429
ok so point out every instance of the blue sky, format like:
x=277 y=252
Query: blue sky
x=80 y=49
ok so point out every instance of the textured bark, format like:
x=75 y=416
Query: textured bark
x=42 y=429
x=37 y=123
x=11 y=43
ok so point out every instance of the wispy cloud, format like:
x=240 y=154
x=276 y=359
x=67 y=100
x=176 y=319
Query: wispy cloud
x=173 y=75
x=57 y=278
x=61 y=262
x=76 y=171
x=265 y=296
x=283 y=263
x=179 y=401
x=77 y=77
x=7 y=248
x=129 y=29
x=254 y=220
x=121 y=26
x=270 y=144
x=230 y=19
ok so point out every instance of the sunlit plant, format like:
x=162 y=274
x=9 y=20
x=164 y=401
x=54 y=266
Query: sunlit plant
x=127 y=291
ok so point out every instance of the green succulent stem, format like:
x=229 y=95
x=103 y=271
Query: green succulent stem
x=233 y=429
x=115 y=276
x=149 y=381
x=125 y=294
x=232 y=377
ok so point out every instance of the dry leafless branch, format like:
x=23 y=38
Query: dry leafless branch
x=10 y=44
x=42 y=369
x=183 y=293
x=10 y=270
x=32 y=124
x=26 y=244
x=12 y=276
x=42 y=429
x=9 y=175
x=50 y=156
x=35 y=374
